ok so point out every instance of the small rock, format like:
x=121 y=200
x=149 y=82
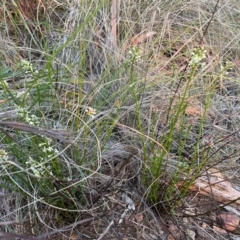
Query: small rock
x=204 y=225
x=176 y=232
x=139 y=217
x=191 y=235
x=228 y=221
x=202 y=233
x=219 y=230
x=170 y=237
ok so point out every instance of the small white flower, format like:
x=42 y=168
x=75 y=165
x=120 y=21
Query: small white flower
x=49 y=140
x=90 y=111
x=41 y=144
x=36 y=172
x=56 y=151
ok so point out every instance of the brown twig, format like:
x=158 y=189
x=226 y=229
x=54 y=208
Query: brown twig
x=209 y=22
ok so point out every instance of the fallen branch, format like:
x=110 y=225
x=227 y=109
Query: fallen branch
x=55 y=134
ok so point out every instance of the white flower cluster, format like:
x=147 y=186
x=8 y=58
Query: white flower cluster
x=3 y=159
x=198 y=54
x=27 y=66
x=39 y=167
x=3 y=155
x=89 y=111
x=228 y=66
x=135 y=53
x=21 y=93
x=47 y=148
x=29 y=118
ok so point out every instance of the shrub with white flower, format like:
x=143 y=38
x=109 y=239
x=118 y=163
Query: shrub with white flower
x=41 y=165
